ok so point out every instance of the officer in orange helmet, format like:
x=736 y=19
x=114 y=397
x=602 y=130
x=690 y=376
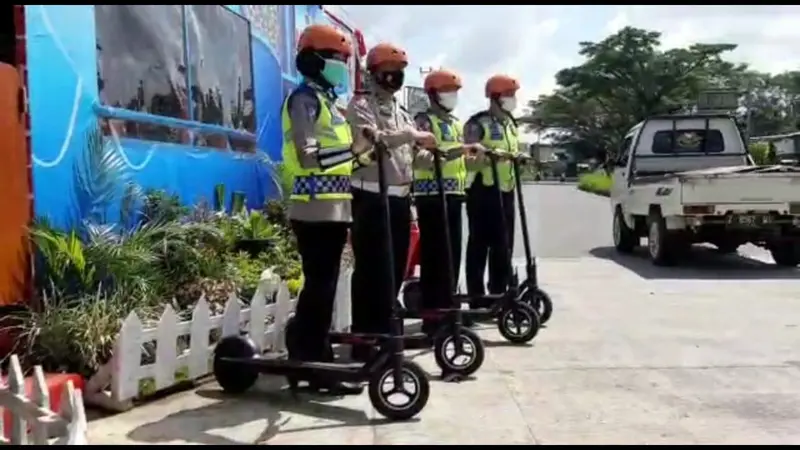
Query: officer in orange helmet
x=318 y=154
x=496 y=129
x=442 y=87
x=378 y=111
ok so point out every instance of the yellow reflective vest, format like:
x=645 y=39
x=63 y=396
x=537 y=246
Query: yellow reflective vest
x=500 y=135
x=333 y=134
x=449 y=135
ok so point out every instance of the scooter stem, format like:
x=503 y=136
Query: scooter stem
x=437 y=171
x=503 y=224
x=388 y=250
x=530 y=265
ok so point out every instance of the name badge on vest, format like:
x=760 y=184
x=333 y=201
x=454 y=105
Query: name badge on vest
x=495 y=131
x=447 y=131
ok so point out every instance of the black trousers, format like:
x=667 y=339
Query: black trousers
x=434 y=284
x=486 y=238
x=371 y=312
x=320 y=245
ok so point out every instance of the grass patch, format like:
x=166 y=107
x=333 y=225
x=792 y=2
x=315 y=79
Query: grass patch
x=596 y=183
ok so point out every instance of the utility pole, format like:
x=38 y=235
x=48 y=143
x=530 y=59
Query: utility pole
x=425 y=70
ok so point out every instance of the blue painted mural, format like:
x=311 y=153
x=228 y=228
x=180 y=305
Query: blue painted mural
x=184 y=117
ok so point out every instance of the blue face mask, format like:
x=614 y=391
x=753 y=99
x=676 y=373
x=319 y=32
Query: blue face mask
x=337 y=74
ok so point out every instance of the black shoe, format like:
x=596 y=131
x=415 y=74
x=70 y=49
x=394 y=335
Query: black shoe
x=335 y=388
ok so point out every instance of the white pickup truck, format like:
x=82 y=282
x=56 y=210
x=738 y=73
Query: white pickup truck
x=681 y=180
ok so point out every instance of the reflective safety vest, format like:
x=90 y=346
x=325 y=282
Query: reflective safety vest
x=449 y=135
x=333 y=133
x=501 y=136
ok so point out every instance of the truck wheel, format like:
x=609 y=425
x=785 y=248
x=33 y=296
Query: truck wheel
x=624 y=238
x=726 y=247
x=787 y=255
x=660 y=246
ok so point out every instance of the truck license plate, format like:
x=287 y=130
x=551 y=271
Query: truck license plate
x=747 y=220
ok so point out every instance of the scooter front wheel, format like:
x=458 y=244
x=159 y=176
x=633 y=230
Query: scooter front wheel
x=462 y=356
x=539 y=301
x=399 y=399
x=518 y=323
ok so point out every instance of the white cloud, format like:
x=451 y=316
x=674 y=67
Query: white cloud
x=533 y=42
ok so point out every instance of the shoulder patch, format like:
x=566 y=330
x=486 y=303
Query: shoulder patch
x=309 y=98
x=478 y=116
x=423 y=122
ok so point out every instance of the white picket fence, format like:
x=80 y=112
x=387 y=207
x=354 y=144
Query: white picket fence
x=124 y=377
x=32 y=421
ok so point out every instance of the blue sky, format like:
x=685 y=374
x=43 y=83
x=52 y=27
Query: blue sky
x=533 y=42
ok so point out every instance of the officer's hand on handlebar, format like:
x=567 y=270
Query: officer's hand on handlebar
x=523 y=158
x=474 y=149
x=371 y=134
x=424 y=139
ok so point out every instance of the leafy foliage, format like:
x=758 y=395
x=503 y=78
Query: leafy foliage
x=627 y=77
x=89 y=277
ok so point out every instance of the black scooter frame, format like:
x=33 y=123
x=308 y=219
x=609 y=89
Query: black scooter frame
x=508 y=305
x=237 y=360
x=529 y=290
x=451 y=318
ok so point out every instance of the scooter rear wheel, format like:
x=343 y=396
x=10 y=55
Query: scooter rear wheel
x=449 y=361
x=414 y=386
x=235 y=378
x=539 y=301
x=518 y=323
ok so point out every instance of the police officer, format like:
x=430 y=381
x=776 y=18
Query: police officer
x=496 y=129
x=378 y=111
x=317 y=153
x=442 y=87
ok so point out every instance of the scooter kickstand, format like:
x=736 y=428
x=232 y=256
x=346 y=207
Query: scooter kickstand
x=294 y=387
x=452 y=377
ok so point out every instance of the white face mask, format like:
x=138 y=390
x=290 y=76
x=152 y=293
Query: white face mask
x=448 y=100
x=509 y=104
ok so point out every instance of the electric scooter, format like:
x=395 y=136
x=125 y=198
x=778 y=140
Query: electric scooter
x=452 y=340
x=238 y=361
x=517 y=321
x=529 y=289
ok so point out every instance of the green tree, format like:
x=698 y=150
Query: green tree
x=625 y=78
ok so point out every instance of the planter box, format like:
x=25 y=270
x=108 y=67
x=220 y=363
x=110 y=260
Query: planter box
x=124 y=378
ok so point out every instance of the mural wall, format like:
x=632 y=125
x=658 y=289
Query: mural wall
x=168 y=87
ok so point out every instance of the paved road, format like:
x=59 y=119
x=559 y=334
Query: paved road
x=705 y=354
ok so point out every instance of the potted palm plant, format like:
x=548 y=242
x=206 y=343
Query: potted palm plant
x=256 y=234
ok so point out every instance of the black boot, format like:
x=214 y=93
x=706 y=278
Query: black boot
x=335 y=388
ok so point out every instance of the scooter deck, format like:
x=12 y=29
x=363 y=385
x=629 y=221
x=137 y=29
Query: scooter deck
x=493 y=298
x=284 y=366
x=372 y=338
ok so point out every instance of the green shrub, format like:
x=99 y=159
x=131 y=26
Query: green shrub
x=596 y=182
x=760 y=151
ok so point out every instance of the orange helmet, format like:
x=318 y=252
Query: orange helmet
x=386 y=53
x=501 y=84
x=442 y=81
x=322 y=38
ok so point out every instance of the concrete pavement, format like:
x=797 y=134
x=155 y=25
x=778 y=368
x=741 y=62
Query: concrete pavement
x=625 y=360
x=706 y=353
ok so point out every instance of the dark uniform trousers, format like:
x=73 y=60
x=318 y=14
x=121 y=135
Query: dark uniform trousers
x=320 y=245
x=371 y=313
x=486 y=239
x=434 y=285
